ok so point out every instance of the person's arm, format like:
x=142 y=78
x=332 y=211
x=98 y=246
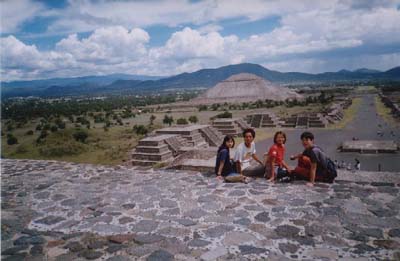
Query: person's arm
x=239 y=167
x=286 y=166
x=272 y=168
x=257 y=159
x=293 y=157
x=313 y=171
x=221 y=166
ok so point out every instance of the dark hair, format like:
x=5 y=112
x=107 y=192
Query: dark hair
x=279 y=133
x=307 y=135
x=223 y=145
x=253 y=133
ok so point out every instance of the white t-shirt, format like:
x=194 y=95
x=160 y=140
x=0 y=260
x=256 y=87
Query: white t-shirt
x=245 y=155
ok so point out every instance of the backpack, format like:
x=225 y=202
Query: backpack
x=331 y=172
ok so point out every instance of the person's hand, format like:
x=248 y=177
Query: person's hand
x=310 y=184
x=219 y=177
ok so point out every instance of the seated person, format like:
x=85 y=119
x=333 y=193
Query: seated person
x=313 y=162
x=246 y=153
x=223 y=165
x=274 y=160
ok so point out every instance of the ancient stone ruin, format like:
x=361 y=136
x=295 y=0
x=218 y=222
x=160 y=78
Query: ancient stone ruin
x=370 y=146
x=163 y=146
x=262 y=120
x=233 y=127
x=245 y=87
x=300 y=120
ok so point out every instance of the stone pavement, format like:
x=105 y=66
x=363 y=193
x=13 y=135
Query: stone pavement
x=66 y=211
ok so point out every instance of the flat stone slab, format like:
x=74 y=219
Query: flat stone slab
x=370 y=146
x=69 y=211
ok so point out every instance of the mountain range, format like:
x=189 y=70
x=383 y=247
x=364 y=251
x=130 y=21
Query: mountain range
x=205 y=78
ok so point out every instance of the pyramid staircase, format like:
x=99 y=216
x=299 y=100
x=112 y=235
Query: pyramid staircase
x=152 y=150
x=227 y=126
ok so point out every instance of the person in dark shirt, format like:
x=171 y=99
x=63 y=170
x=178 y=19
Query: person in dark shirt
x=312 y=163
x=224 y=167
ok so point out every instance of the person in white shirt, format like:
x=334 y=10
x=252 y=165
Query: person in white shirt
x=246 y=154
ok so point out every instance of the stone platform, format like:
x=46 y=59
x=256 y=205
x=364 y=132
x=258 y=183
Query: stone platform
x=370 y=146
x=65 y=211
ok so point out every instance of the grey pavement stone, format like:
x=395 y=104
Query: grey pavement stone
x=50 y=220
x=148 y=238
x=262 y=217
x=218 y=231
x=160 y=255
x=288 y=248
x=198 y=243
x=214 y=254
x=287 y=231
x=145 y=226
x=249 y=250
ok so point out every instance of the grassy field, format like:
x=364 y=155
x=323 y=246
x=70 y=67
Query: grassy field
x=349 y=114
x=102 y=147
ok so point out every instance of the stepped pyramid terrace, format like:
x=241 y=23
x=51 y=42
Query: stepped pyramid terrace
x=164 y=145
x=233 y=127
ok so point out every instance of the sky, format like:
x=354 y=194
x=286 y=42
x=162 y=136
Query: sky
x=69 y=38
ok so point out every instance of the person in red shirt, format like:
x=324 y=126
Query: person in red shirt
x=275 y=157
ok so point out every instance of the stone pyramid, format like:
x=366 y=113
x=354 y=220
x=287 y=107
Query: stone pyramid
x=247 y=87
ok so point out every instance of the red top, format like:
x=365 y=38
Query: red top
x=277 y=152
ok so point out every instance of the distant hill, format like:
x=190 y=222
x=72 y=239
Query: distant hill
x=205 y=78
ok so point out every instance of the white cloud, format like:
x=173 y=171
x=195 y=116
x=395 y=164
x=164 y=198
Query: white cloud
x=14 y=13
x=107 y=45
x=111 y=47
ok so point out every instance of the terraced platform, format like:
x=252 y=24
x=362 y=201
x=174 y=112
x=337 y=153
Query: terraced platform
x=65 y=211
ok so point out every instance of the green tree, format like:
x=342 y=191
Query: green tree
x=152 y=118
x=193 y=119
x=168 y=120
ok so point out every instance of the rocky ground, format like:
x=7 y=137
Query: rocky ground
x=65 y=211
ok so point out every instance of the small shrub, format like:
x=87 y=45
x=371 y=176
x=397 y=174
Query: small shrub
x=193 y=119
x=11 y=139
x=80 y=136
x=225 y=114
x=140 y=130
x=53 y=128
x=29 y=132
x=181 y=121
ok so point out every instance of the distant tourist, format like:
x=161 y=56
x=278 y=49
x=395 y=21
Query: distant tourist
x=274 y=159
x=224 y=167
x=313 y=164
x=245 y=156
x=337 y=164
x=349 y=166
x=342 y=164
x=357 y=166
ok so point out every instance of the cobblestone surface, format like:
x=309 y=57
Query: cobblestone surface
x=65 y=211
